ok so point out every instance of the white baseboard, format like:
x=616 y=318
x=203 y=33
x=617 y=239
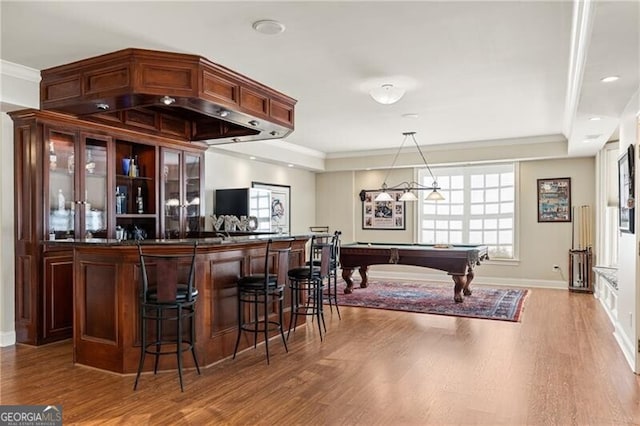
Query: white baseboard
x=626 y=345
x=478 y=279
x=7 y=338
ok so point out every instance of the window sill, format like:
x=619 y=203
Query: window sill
x=502 y=262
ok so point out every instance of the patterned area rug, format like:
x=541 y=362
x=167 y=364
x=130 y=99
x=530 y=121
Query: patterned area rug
x=500 y=303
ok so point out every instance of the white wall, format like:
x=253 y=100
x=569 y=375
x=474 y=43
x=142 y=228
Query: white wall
x=7 y=252
x=19 y=89
x=541 y=244
x=228 y=171
x=626 y=324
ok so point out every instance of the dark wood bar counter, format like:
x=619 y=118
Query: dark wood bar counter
x=106 y=287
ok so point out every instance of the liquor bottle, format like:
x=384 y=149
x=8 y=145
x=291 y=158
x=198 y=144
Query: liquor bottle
x=139 y=201
x=71 y=163
x=53 y=158
x=119 y=203
x=61 y=200
x=137 y=170
x=132 y=167
x=91 y=165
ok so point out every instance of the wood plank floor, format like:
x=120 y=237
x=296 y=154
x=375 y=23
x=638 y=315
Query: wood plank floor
x=560 y=365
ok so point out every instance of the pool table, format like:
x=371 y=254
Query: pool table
x=457 y=260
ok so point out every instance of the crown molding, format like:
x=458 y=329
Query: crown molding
x=19 y=71
x=581 y=29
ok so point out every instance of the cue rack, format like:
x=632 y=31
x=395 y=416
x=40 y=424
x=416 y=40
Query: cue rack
x=580 y=255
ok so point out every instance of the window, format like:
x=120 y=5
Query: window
x=479 y=208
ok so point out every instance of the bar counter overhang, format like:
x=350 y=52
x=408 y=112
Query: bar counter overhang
x=106 y=275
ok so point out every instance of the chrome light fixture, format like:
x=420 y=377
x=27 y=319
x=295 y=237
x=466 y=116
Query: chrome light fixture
x=409 y=187
x=387 y=94
x=167 y=100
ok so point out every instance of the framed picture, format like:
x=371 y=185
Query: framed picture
x=280 y=205
x=382 y=214
x=626 y=195
x=554 y=200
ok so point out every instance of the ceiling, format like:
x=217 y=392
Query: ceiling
x=486 y=72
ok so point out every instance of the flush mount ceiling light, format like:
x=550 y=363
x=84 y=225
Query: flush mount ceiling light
x=609 y=79
x=167 y=100
x=268 y=27
x=409 y=187
x=387 y=94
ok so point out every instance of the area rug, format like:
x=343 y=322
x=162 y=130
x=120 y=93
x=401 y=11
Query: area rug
x=495 y=303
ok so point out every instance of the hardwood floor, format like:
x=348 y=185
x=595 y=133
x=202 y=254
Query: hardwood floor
x=559 y=365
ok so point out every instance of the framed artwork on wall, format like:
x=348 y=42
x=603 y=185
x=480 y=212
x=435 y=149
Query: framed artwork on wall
x=280 y=205
x=554 y=200
x=626 y=192
x=390 y=215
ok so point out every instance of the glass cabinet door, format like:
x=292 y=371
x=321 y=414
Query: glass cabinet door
x=94 y=199
x=192 y=192
x=60 y=168
x=181 y=185
x=171 y=191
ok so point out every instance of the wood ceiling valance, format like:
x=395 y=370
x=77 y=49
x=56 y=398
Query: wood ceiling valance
x=185 y=96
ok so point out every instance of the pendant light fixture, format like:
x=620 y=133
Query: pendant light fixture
x=409 y=187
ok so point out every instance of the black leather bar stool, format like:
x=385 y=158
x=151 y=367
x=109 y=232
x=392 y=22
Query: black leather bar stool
x=257 y=294
x=306 y=284
x=168 y=294
x=331 y=293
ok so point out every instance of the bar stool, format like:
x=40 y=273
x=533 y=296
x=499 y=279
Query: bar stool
x=259 y=292
x=168 y=293
x=306 y=284
x=331 y=293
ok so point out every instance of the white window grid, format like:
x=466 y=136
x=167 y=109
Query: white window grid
x=479 y=208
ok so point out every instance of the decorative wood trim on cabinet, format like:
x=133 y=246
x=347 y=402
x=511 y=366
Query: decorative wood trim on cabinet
x=281 y=112
x=61 y=89
x=104 y=80
x=254 y=102
x=163 y=78
x=218 y=88
x=58 y=294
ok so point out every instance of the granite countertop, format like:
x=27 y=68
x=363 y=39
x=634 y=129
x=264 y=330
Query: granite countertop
x=209 y=241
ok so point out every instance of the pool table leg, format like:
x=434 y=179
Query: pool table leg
x=346 y=276
x=363 y=274
x=462 y=285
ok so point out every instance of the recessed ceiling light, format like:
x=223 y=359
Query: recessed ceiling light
x=289 y=165
x=268 y=26
x=591 y=138
x=252 y=158
x=609 y=79
x=595 y=119
x=167 y=100
x=410 y=115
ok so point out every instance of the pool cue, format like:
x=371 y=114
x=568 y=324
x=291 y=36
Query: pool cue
x=573 y=225
x=581 y=239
